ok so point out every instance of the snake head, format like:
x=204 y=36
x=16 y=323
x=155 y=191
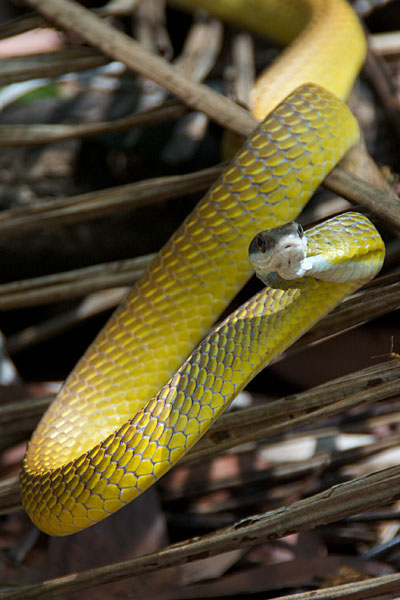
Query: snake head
x=279 y=255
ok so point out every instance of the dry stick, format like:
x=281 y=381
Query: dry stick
x=15 y=415
x=150 y=28
x=94 y=272
x=354 y=311
x=68 y=291
x=376 y=588
x=385 y=43
x=30 y=135
x=380 y=282
x=10 y=495
x=335 y=503
x=94 y=304
x=52 y=64
x=243 y=64
x=201 y=49
x=358 y=191
x=121 y=47
x=376 y=72
x=21 y=25
x=17 y=222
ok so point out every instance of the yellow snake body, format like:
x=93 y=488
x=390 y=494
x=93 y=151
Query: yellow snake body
x=120 y=421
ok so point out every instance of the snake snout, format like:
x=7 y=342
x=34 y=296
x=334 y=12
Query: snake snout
x=280 y=250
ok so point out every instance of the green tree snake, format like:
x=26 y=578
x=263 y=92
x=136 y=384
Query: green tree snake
x=141 y=397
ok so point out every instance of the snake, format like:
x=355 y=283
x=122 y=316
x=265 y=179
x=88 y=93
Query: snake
x=158 y=375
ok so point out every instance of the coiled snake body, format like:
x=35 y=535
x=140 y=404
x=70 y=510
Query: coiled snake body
x=121 y=421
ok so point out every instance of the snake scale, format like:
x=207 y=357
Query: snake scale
x=141 y=397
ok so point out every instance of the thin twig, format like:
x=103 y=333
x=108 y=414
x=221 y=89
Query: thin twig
x=31 y=135
x=10 y=496
x=52 y=64
x=21 y=25
x=201 y=48
x=92 y=305
x=244 y=67
x=72 y=284
x=31 y=409
x=150 y=27
x=385 y=43
x=376 y=589
x=128 y=265
x=365 y=306
x=359 y=192
x=375 y=70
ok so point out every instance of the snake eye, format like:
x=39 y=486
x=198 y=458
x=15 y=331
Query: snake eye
x=300 y=231
x=261 y=244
